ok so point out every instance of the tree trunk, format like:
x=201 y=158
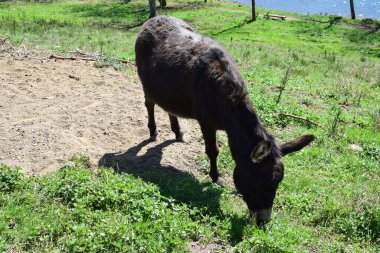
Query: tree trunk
x=253 y=10
x=352 y=9
x=152 y=8
x=162 y=3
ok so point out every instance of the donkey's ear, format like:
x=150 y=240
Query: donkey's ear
x=296 y=144
x=261 y=150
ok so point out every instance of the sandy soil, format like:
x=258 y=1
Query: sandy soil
x=52 y=109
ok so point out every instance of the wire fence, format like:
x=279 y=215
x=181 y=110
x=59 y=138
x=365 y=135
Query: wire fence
x=363 y=8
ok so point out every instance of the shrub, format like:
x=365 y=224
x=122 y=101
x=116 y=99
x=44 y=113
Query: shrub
x=10 y=178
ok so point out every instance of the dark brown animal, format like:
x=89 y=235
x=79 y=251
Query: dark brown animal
x=192 y=76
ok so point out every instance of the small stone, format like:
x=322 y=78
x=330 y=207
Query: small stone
x=356 y=147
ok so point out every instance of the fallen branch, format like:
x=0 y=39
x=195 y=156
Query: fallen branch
x=127 y=62
x=86 y=57
x=78 y=52
x=300 y=118
x=70 y=58
x=331 y=22
x=62 y=58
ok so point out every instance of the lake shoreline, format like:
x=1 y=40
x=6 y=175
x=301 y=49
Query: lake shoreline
x=363 y=9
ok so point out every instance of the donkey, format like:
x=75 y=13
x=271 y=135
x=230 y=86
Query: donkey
x=192 y=76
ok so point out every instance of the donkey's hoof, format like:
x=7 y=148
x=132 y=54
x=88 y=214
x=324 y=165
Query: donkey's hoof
x=179 y=138
x=153 y=138
x=220 y=182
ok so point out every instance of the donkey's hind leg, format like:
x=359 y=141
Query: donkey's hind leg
x=151 y=121
x=174 y=124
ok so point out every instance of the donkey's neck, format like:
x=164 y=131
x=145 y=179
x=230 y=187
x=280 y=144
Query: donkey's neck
x=244 y=130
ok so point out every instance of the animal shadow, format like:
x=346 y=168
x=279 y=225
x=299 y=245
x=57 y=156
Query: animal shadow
x=179 y=185
x=182 y=186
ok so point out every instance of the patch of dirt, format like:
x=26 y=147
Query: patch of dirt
x=52 y=109
x=196 y=247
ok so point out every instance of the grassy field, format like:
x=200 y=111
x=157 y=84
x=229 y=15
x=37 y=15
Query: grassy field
x=329 y=200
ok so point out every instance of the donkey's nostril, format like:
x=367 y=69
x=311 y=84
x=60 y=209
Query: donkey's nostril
x=261 y=222
x=263 y=216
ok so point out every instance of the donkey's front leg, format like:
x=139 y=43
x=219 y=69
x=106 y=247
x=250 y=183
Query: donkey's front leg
x=212 y=151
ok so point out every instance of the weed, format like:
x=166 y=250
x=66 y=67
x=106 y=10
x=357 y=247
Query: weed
x=284 y=81
x=10 y=178
x=81 y=161
x=334 y=124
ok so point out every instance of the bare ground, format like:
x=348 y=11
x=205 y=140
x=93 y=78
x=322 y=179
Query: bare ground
x=53 y=109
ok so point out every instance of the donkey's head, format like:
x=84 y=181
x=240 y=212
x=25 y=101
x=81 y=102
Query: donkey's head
x=258 y=177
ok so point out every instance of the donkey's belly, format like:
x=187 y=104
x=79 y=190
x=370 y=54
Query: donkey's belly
x=175 y=101
x=180 y=113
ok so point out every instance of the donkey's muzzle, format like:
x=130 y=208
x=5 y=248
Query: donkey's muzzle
x=262 y=216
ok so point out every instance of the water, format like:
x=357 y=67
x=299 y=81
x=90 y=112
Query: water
x=363 y=8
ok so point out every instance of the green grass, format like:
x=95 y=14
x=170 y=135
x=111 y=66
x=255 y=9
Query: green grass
x=78 y=210
x=329 y=200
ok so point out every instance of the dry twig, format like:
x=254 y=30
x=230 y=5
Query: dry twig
x=61 y=58
x=70 y=58
x=300 y=118
x=127 y=62
x=86 y=57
